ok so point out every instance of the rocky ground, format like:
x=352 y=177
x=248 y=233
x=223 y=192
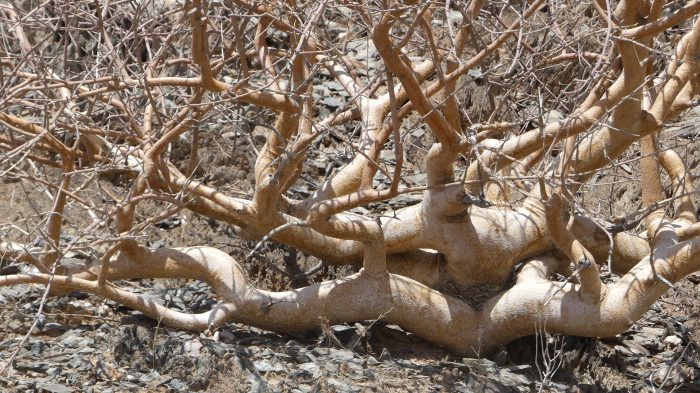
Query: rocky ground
x=84 y=344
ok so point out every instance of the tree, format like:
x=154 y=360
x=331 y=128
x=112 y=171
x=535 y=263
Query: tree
x=526 y=103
